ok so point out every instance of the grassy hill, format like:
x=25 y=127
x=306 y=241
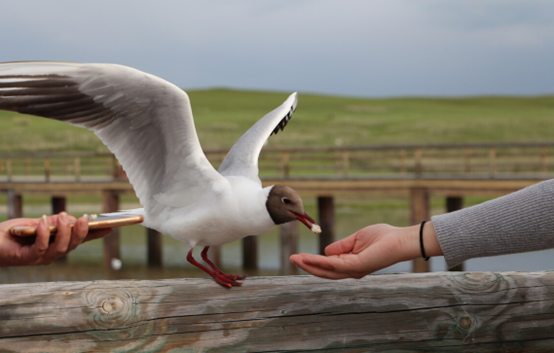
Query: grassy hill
x=221 y=117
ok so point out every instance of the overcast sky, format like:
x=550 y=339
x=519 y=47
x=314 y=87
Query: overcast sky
x=347 y=47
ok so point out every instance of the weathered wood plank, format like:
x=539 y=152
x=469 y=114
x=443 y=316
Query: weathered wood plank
x=250 y=252
x=288 y=234
x=314 y=186
x=110 y=203
x=432 y=312
x=154 y=248
x=15 y=204
x=326 y=219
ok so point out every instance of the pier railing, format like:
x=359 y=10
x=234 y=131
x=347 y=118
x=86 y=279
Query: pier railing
x=433 y=312
x=417 y=171
x=483 y=160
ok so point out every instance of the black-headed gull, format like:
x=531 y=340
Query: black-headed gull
x=147 y=123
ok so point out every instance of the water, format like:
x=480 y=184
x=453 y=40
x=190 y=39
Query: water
x=175 y=265
x=532 y=261
x=85 y=263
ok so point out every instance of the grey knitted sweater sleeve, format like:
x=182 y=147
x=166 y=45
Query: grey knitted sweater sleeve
x=518 y=222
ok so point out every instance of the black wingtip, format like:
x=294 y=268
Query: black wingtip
x=283 y=122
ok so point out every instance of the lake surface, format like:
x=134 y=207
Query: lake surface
x=176 y=266
x=85 y=263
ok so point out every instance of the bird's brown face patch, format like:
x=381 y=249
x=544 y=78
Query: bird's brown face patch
x=285 y=205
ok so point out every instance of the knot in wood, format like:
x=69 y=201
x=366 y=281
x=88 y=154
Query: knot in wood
x=112 y=305
x=480 y=276
x=466 y=322
x=477 y=282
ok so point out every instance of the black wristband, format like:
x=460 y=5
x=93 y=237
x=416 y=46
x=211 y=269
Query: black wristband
x=425 y=257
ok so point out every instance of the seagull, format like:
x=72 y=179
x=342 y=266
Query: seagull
x=147 y=123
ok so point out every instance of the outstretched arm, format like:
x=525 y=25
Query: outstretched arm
x=368 y=250
x=15 y=252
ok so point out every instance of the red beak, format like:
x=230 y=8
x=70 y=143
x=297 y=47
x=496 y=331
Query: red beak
x=308 y=221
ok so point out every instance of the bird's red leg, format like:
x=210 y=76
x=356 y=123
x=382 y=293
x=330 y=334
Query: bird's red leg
x=215 y=268
x=218 y=277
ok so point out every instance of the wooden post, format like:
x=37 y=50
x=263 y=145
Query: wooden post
x=47 y=169
x=154 y=248
x=285 y=164
x=345 y=163
x=9 y=168
x=118 y=172
x=289 y=246
x=67 y=166
x=326 y=213
x=418 y=162
x=419 y=202
x=15 y=205
x=403 y=161
x=492 y=162
x=59 y=205
x=214 y=254
x=111 y=241
x=27 y=166
x=110 y=166
x=543 y=159
x=77 y=167
x=455 y=203
x=468 y=160
x=250 y=252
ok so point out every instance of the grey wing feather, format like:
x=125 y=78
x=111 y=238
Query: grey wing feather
x=242 y=159
x=145 y=121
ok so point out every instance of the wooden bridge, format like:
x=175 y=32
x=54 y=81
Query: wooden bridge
x=451 y=170
x=427 y=312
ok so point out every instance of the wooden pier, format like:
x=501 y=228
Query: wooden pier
x=433 y=312
x=416 y=171
x=424 y=312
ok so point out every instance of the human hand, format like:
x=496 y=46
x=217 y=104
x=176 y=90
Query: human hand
x=14 y=251
x=368 y=250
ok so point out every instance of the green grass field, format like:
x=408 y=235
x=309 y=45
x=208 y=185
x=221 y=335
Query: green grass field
x=221 y=116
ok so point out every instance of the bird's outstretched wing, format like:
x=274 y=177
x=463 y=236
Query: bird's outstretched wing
x=145 y=121
x=242 y=159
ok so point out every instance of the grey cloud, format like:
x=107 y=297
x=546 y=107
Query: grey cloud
x=349 y=47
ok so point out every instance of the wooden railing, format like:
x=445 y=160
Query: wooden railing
x=433 y=312
x=485 y=160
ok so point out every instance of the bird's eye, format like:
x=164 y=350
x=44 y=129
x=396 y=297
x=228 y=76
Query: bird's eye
x=286 y=200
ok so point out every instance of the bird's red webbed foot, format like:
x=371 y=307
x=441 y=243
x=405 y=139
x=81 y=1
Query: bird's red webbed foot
x=224 y=279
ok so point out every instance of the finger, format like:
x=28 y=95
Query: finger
x=32 y=255
x=79 y=233
x=313 y=260
x=39 y=248
x=343 y=263
x=316 y=270
x=60 y=246
x=347 y=265
x=343 y=246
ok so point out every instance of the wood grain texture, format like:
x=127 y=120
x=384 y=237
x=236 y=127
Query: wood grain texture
x=433 y=312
